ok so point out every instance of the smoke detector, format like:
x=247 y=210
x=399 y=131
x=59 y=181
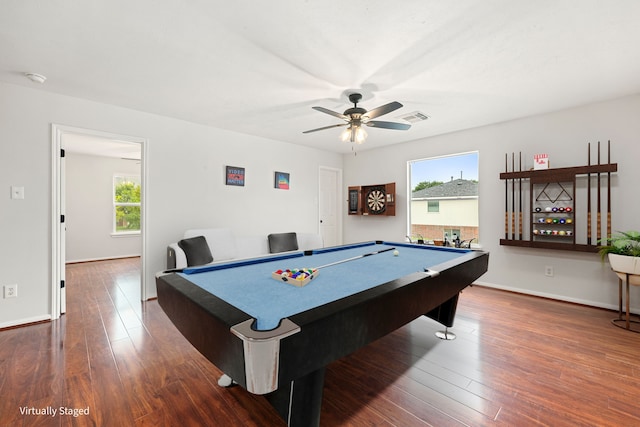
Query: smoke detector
x=34 y=77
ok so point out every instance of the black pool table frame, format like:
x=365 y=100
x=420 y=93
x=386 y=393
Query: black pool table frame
x=290 y=361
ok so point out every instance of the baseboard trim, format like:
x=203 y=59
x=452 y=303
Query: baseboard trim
x=79 y=261
x=25 y=322
x=556 y=297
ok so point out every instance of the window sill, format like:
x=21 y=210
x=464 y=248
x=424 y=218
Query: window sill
x=126 y=234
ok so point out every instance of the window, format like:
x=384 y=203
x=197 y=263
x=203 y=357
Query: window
x=126 y=204
x=443 y=199
x=451 y=234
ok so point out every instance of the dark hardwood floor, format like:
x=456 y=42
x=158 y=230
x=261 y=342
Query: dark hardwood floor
x=517 y=361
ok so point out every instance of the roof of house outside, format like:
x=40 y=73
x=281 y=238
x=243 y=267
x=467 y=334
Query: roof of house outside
x=453 y=188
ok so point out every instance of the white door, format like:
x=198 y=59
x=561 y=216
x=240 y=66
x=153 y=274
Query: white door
x=329 y=206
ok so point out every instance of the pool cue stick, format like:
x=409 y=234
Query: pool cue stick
x=355 y=257
x=506 y=198
x=599 y=214
x=588 y=196
x=520 y=199
x=608 y=191
x=513 y=198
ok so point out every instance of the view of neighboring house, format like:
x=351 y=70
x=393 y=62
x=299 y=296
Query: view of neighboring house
x=446 y=212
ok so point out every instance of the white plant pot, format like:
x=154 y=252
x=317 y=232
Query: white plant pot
x=622 y=264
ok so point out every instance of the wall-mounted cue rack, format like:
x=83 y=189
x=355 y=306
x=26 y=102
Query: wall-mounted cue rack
x=377 y=199
x=549 y=212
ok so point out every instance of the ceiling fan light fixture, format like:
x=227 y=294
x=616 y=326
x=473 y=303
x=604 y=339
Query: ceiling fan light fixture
x=345 y=136
x=355 y=117
x=354 y=134
x=360 y=135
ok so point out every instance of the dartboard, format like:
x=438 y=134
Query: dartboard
x=376 y=200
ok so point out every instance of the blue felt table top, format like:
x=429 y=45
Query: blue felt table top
x=248 y=285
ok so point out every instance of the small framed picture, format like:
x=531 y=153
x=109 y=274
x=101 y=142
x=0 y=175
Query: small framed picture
x=235 y=176
x=281 y=180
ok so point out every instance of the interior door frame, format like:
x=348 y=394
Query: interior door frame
x=58 y=258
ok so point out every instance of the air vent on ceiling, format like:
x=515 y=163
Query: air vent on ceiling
x=414 y=117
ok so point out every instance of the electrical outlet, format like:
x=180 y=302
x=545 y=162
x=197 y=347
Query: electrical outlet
x=11 y=291
x=17 y=192
x=548 y=271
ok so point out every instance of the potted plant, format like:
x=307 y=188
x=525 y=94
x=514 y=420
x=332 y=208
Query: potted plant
x=623 y=251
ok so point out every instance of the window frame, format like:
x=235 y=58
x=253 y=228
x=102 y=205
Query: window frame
x=437 y=206
x=419 y=226
x=126 y=177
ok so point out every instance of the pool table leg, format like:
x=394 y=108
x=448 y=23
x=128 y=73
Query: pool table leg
x=300 y=401
x=445 y=313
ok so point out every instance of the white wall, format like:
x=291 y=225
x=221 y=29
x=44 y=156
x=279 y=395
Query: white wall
x=89 y=208
x=564 y=135
x=185 y=187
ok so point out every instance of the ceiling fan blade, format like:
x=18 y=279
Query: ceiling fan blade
x=331 y=113
x=388 y=125
x=325 y=127
x=384 y=109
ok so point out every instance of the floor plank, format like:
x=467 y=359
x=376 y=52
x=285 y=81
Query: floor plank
x=517 y=361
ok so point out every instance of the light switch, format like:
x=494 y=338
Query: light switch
x=17 y=192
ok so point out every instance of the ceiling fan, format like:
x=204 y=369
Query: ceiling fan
x=355 y=117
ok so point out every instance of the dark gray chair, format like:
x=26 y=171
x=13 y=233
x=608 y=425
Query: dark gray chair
x=282 y=242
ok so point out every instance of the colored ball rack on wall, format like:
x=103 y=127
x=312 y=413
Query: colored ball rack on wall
x=542 y=211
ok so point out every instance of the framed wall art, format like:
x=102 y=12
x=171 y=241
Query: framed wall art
x=234 y=176
x=281 y=180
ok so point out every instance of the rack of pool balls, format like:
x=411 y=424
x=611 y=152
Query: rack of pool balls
x=554 y=221
x=554 y=209
x=298 y=276
x=553 y=232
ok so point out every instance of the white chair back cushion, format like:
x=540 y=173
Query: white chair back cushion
x=307 y=241
x=249 y=247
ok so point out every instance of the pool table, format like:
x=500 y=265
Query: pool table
x=275 y=339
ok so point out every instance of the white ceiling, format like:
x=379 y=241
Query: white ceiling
x=257 y=67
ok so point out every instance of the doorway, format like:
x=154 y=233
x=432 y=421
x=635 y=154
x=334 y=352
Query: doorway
x=71 y=144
